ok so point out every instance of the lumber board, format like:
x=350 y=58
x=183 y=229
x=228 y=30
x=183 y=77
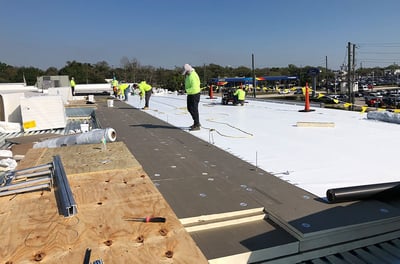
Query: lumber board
x=34 y=230
x=315 y=124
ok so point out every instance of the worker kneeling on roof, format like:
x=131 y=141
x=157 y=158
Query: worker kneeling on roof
x=240 y=95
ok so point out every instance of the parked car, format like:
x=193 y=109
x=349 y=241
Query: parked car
x=328 y=100
x=391 y=101
x=374 y=102
x=376 y=96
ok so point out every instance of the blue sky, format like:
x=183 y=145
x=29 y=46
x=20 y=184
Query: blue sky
x=169 y=33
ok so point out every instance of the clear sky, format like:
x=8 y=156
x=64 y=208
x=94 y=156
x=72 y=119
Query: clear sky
x=169 y=33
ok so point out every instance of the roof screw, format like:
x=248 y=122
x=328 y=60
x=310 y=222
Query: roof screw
x=384 y=210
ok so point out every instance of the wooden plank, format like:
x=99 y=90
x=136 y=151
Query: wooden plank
x=315 y=124
x=33 y=229
x=226 y=223
x=222 y=216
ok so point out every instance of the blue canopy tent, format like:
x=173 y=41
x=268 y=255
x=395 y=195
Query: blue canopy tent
x=249 y=80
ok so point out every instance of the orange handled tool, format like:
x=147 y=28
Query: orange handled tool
x=147 y=219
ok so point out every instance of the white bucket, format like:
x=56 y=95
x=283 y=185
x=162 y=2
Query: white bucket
x=84 y=128
x=91 y=98
x=110 y=103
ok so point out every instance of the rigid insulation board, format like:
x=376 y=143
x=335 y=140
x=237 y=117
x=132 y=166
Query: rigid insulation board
x=10 y=110
x=43 y=112
x=93 y=88
x=64 y=92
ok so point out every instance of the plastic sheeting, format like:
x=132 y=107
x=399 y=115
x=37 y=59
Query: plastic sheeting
x=384 y=116
x=92 y=137
x=354 y=193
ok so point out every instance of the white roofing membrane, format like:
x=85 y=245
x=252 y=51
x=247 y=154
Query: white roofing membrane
x=355 y=151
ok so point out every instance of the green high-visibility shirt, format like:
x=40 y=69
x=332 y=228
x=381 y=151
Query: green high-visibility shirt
x=192 y=83
x=240 y=94
x=123 y=86
x=144 y=87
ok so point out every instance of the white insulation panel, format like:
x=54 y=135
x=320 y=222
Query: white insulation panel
x=10 y=110
x=43 y=112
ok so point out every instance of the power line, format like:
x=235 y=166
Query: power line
x=383 y=45
x=378 y=52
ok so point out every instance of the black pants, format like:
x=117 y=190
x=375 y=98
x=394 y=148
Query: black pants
x=147 y=98
x=192 y=104
x=237 y=101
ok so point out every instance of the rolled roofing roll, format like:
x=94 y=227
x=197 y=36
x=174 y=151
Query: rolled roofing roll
x=92 y=137
x=354 y=193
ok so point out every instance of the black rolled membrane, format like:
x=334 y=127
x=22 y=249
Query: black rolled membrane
x=362 y=192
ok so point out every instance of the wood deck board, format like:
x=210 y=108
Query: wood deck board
x=105 y=194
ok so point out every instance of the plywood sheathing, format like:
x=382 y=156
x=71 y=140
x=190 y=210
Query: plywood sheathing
x=22 y=144
x=108 y=186
x=84 y=158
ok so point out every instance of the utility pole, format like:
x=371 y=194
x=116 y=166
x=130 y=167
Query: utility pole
x=254 y=76
x=326 y=74
x=354 y=76
x=349 y=71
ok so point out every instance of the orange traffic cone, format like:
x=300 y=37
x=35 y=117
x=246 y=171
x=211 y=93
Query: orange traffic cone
x=307 y=101
x=211 y=92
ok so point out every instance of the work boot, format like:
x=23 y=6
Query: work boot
x=145 y=108
x=194 y=128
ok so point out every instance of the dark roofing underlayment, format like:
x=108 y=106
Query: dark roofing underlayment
x=198 y=179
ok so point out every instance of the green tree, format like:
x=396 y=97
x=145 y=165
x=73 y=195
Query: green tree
x=29 y=73
x=9 y=73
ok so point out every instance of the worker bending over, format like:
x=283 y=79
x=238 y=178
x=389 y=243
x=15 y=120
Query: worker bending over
x=145 y=91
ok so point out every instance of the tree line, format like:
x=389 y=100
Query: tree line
x=131 y=70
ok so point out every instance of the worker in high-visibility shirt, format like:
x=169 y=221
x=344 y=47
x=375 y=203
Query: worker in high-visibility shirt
x=192 y=88
x=239 y=96
x=72 y=83
x=145 y=92
x=115 y=87
x=124 y=90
